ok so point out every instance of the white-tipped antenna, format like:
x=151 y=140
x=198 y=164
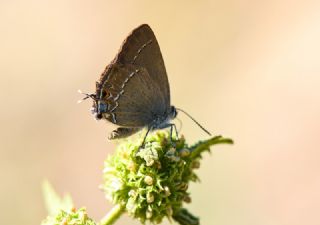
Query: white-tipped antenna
x=87 y=96
x=194 y=121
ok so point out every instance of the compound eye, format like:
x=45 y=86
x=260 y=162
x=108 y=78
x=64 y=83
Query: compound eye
x=173 y=112
x=99 y=116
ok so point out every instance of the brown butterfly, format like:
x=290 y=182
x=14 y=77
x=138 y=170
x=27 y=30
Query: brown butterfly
x=133 y=92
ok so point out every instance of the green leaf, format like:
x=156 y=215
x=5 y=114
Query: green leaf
x=53 y=202
x=184 y=217
x=202 y=146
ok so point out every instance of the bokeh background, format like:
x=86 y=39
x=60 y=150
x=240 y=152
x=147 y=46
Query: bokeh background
x=246 y=69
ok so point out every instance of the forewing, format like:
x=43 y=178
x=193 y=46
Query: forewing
x=142 y=49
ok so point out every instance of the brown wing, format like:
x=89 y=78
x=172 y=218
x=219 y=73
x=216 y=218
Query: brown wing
x=142 y=49
x=130 y=96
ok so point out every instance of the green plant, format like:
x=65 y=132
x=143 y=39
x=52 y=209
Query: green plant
x=149 y=183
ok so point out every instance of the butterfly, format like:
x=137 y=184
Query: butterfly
x=133 y=91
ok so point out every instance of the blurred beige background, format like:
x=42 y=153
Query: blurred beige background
x=246 y=69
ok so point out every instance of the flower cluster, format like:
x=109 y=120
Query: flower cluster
x=72 y=217
x=151 y=182
x=148 y=182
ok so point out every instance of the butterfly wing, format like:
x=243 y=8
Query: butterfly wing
x=127 y=96
x=141 y=48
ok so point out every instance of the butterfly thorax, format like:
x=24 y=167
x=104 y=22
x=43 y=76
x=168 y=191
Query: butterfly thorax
x=163 y=121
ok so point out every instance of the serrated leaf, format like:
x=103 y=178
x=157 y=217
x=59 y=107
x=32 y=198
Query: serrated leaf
x=202 y=146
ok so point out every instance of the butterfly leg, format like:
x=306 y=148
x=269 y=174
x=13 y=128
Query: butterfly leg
x=176 y=131
x=172 y=125
x=171 y=128
x=145 y=137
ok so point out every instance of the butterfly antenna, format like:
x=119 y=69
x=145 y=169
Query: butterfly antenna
x=194 y=121
x=93 y=96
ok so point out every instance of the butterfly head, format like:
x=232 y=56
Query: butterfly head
x=98 y=109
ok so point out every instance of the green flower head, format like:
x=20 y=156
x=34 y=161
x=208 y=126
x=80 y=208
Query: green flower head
x=151 y=182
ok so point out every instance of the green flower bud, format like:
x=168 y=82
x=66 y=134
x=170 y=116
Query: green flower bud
x=148 y=214
x=167 y=191
x=169 y=211
x=195 y=164
x=150 y=198
x=184 y=153
x=148 y=180
x=187 y=199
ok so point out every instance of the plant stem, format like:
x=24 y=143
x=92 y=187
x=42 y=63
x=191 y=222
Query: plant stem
x=113 y=215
